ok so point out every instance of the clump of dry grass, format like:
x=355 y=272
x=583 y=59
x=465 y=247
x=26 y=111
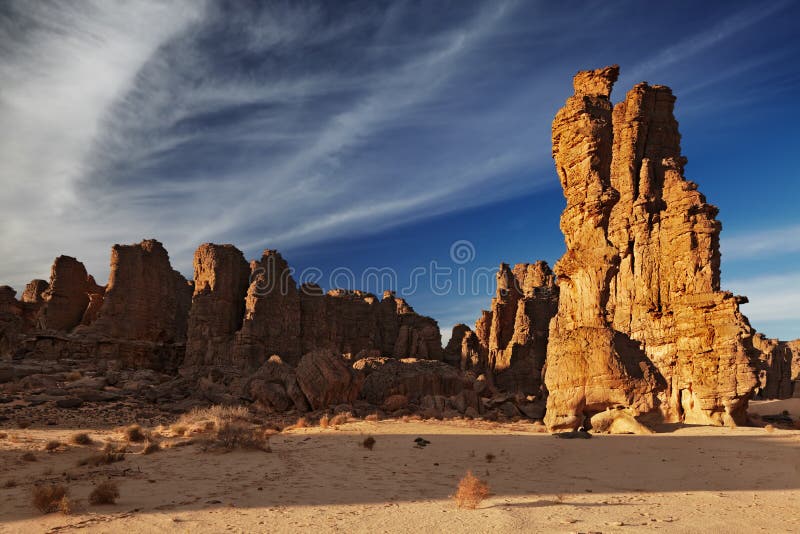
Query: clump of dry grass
x=28 y=457
x=134 y=433
x=3 y=435
x=179 y=429
x=238 y=435
x=368 y=443
x=372 y=418
x=81 y=438
x=48 y=498
x=150 y=447
x=103 y=458
x=206 y=419
x=490 y=457
x=302 y=422
x=324 y=421
x=340 y=419
x=769 y=428
x=470 y=492
x=105 y=493
x=52 y=445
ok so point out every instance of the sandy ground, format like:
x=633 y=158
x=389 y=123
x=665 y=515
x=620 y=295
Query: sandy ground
x=691 y=479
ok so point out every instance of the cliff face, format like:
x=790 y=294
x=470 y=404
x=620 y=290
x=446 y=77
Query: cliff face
x=146 y=299
x=641 y=321
x=241 y=316
x=509 y=343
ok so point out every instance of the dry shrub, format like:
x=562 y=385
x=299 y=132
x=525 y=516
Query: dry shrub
x=3 y=435
x=769 y=428
x=135 y=433
x=302 y=422
x=28 y=457
x=324 y=421
x=10 y=483
x=81 y=438
x=205 y=419
x=52 y=445
x=179 y=429
x=105 y=493
x=372 y=418
x=471 y=491
x=103 y=458
x=72 y=376
x=340 y=419
x=490 y=457
x=150 y=447
x=238 y=435
x=48 y=498
x=369 y=443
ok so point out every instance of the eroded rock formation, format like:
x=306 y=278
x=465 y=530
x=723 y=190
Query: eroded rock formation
x=510 y=339
x=641 y=322
x=146 y=299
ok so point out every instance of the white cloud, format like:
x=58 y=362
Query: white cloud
x=761 y=243
x=771 y=297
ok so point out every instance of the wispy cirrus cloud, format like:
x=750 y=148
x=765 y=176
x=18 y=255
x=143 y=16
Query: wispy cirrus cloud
x=762 y=243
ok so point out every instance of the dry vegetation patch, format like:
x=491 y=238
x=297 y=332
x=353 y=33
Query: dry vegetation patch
x=52 y=445
x=105 y=493
x=470 y=492
x=51 y=498
x=81 y=438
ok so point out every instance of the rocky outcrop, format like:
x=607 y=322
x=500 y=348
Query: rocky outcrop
x=774 y=368
x=11 y=321
x=510 y=339
x=221 y=279
x=641 y=321
x=67 y=296
x=409 y=377
x=275 y=386
x=245 y=315
x=326 y=378
x=146 y=300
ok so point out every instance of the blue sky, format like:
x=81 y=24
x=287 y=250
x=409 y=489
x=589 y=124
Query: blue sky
x=377 y=134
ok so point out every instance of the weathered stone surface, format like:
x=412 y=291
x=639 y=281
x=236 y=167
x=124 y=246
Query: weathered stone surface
x=66 y=298
x=641 y=322
x=775 y=360
x=146 y=300
x=617 y=422
x=411 y=377
x=510 y=340
x=275 y=385
x=11 y=321
x=221 y=279
x=326 y=379
x=34 y=291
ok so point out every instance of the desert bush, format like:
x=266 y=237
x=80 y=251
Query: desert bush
x=81 y=438
x=150 y=447
x=340 y=419
x=3 y=435
x=52 y=445
x=214 y=416
x=490 y=457
x=105 y=493
x=238 y=435
x=769 y=428
x=373 y=418
x=368 y=443
x=179 y=429
x=324 y=421
x=302 y=422
x=135 y=433
x=103 y=458
x=48 y=498
x=470 y=492
x=28 y=457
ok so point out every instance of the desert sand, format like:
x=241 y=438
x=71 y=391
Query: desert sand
x=682 y=479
